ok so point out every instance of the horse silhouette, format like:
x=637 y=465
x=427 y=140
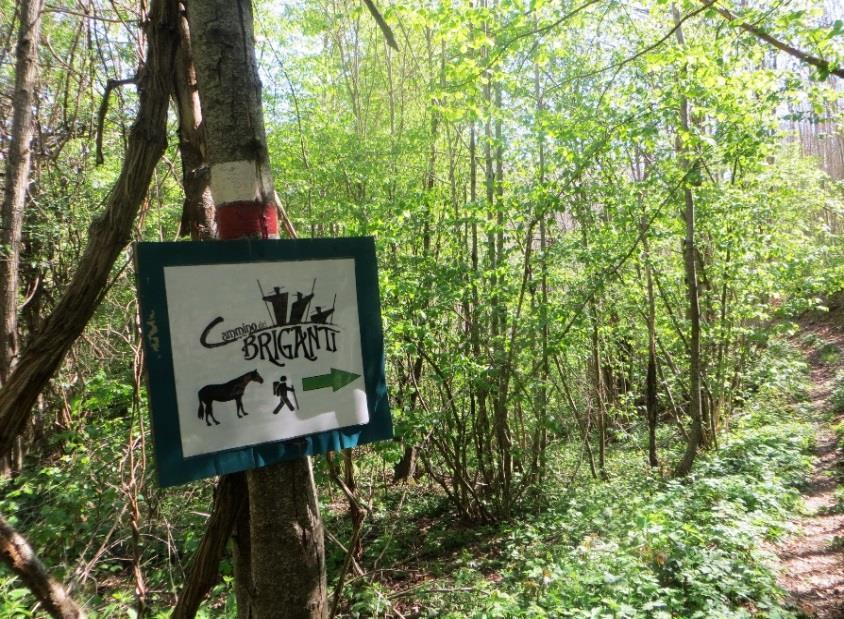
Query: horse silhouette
x=232 y=390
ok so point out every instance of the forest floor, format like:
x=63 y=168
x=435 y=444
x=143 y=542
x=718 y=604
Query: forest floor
x=812 y=569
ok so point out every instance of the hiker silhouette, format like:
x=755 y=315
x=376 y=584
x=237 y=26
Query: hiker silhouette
x=281 y=389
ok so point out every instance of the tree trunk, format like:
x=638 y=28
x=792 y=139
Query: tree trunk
x=480 y=389
x=288 y=558
x=17 y=178
x=198 y=222
x=503 y=433
x=598 y=387
x=600 y=403
x=18 y=165
x=198 y=207
x=544 y=376
x=695 y=396
x=286 y=554
x=650 y=380
x=405 y=469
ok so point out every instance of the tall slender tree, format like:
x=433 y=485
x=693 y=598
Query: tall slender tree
x=18 y=166
x=689 y=257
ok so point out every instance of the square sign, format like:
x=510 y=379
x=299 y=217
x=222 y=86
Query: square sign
x=260 y=351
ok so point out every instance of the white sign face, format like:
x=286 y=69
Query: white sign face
x=264 y=351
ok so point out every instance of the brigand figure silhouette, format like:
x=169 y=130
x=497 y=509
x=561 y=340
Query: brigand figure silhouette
x=320 y=316
x=278 y=300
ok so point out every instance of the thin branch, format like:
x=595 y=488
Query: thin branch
x=500 y=49
x=286 y=223
x=341 y=579
x=819 y=63
x=99 y=18
x=110 y=85
x=363 y=510
x=356 y=568
x=379 y=19
x=541 y=29
x=637 y=55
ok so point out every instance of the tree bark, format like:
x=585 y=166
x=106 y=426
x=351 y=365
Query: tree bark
x=198 y=207
x=288 y=559
x=20 y=556
x=18 y=166
x=286 y=575
x=229 y=498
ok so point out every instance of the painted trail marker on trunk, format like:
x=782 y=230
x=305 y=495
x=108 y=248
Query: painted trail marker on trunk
x=260 y=351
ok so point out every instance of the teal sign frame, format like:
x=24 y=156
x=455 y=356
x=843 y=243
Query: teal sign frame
x=152 y=259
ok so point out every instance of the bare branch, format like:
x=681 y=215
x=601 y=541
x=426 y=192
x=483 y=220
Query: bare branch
x=110 y=85
x=379 y=19
x=229 y=499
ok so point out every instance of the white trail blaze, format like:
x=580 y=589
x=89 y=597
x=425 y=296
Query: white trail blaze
x=241 y=181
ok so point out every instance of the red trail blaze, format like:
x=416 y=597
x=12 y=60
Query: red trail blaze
x=236 y=220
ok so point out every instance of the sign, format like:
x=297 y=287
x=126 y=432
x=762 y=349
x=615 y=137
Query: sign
x=260 y=351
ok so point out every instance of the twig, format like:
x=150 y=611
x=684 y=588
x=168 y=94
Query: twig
x=110 y=85
x=356 y=568
x=427 y=589
x=363 y=511
x=338 y=588
x=636 y=56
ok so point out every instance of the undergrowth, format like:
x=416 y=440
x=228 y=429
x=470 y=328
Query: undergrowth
x=73 y=508
x=633 y=547
x=636 y=546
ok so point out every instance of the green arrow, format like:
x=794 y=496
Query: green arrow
x=337 y=379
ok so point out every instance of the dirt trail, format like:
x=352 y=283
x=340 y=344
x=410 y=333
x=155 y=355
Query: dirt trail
x=813 y=559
